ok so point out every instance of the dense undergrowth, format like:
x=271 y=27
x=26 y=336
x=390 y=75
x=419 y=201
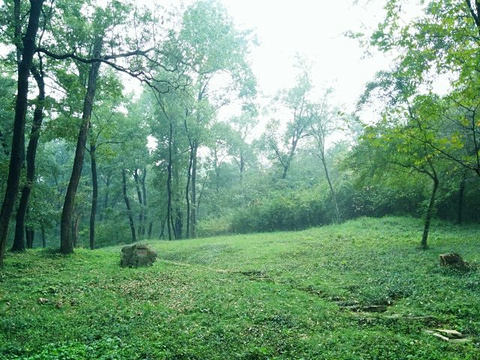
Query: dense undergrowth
x=297 y=295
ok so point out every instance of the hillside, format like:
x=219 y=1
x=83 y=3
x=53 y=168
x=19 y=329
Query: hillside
x=360 y=290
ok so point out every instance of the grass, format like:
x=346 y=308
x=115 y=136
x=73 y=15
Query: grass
x=298 y=295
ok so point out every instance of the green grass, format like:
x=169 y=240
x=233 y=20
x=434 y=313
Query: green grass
x=296 y=295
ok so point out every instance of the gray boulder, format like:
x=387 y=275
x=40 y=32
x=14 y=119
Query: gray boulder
x=137 y=255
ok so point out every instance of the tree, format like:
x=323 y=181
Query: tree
x=322 y=124
x=295 y=101
x=441 y=43
x=214 y=57
x=242 y=127
x=106 y=23
x=401 y=139
x=66 y=238
x=18 y=242
x=18 y=141
x=109 y=128
x=127 y=204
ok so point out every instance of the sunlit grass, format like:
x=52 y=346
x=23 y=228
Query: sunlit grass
x=278 y=295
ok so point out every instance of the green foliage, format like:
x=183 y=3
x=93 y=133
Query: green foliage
x=278 y=295
x=215 y=226
x=283 y=211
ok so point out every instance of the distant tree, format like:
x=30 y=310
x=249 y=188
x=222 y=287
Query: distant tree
x=323 y=119
x=213 y=56
x=295 y=101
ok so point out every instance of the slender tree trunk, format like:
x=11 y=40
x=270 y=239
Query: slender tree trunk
x=242 y=168
x=461 y=199
x=193 y=216
x=169 y=181
x=66 y=236
x=187 y=192
x=140 y=228
x=106 y=197
x=18 y=140
x=143 y=179
x=44 y=238
x=150 y=228
x=330 y=185
x=285 y=170
x=162 y=228
x=75 y=228
x=429 y=215
x=19 y=241
x=127 y=203
x=178 y=224
x=30 y=235
x=93 y=210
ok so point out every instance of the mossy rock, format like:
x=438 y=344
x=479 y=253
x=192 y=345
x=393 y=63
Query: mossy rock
x=137 y=255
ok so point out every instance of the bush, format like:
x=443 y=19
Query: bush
x=283 y=212
x=215 y=226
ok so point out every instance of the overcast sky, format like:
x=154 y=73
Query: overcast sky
x=316 y=30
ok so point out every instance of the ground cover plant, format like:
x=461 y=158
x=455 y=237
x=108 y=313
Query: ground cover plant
x=359 y=290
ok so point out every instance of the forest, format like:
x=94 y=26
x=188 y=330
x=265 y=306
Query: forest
x=280 y=224
x=113 y=127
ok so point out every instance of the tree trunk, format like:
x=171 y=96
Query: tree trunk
x=18 y=140
x=140 y=228
x=106 y=197
x=30 y=235
x=193 y=209
x=66 y=236
x=127 y=203
x=188 y=194
x=169 y=181
x=143 y=179
x=430 y=210
x=93 y=210
x=461 y=198
x=178 y=224
x=75 y=228
x=19 y=241
x=44 y=239
x=330 y=185
x=150 y=228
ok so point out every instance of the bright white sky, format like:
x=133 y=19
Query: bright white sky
x=314 y=29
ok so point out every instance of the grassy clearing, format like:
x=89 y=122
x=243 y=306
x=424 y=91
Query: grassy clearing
x=302 y=295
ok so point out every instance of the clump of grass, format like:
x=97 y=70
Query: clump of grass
x=314 y=294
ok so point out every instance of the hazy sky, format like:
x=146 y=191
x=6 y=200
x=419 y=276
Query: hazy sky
x=314 y=29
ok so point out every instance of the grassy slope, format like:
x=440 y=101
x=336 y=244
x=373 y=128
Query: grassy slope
x=278 y=295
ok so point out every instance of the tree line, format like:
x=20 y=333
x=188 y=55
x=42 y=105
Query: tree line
x=103 y=165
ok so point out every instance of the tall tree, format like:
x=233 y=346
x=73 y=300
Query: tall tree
x=214 y=53
x=66 y=235
x=295 y=101
x=18 y=242
x=18 y=142
x=322 y=124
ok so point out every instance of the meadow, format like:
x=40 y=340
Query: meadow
x=359 y=290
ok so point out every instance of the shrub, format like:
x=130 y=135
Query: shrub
x=281 y=212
